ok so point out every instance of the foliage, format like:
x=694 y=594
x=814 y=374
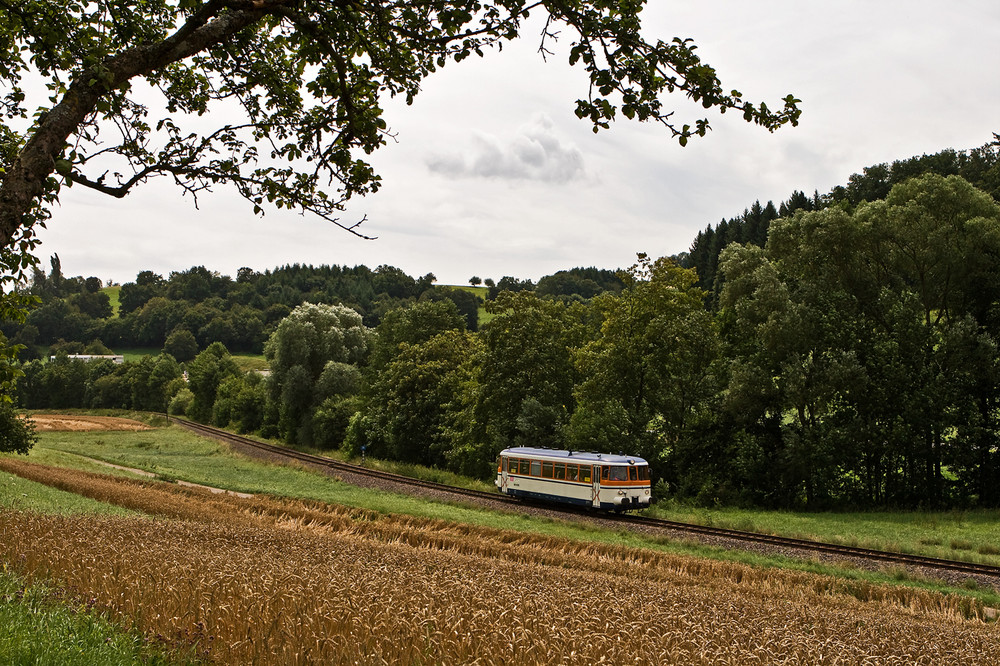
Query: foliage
x=466 y=302
x=17 y=434
x=205 y=374
x=526 y=376
x=411 y=402
x=181 y=345
x=508 y=283
x=181 y=403
x=240 y=402
x=412 y=325
x=582 y=282
x=863 y=349
x=647 y=373
x=308 y=354
x=300 y=84
x=980 y=166
x=307 y=80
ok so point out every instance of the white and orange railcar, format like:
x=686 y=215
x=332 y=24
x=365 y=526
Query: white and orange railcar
x=598 y=480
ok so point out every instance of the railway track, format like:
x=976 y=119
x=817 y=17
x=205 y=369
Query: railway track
x=837 y=550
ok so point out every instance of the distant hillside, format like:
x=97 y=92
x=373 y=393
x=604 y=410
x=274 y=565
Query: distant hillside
x=980 y=166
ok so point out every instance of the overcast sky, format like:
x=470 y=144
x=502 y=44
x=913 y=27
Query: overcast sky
x=493 y=175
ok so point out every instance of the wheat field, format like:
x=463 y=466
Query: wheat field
x=275 y=581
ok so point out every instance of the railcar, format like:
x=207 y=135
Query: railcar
x=598 y=480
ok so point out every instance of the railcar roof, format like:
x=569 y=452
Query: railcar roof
x=586 y=456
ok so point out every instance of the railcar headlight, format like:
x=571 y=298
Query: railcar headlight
x=647 y=492
x=622 y=493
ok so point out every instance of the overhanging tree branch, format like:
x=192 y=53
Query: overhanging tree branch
x=309 y=75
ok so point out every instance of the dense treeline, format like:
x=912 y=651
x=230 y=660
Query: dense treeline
x=207 y=307
x=849 y=359
x=980 y=166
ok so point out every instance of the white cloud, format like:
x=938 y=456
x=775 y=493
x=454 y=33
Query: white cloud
x=534 y=152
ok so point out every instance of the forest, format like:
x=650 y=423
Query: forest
x=833 y=351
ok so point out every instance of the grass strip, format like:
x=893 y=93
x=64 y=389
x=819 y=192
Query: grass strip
x=40 y=626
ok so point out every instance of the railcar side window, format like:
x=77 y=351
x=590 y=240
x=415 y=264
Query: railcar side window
x=585 y=474
x=547 y=470
x=572 y=472
x=523 y=466
x=644 y=473
x=560 y=471
x=536 y=468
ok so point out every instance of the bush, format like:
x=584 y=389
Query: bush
x=181 y=402
x=330 y=422
x=181 y=344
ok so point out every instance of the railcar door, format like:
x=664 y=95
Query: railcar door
x=504 y=474
x=596 y=493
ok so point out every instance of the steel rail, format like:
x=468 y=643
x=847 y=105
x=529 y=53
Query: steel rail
x=658 y=523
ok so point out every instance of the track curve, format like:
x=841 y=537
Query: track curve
x=903 y=559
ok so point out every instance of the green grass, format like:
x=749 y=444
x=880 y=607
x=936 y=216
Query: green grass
x=23 y=495
x=38 y=626
x=431 y=474
x=957 y=535
x=247 y=362
x=244 y=361
x=480 y=293
x=136 y=353
x=113 y=293
x=175 y=453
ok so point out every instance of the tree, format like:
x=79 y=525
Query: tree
x=512 y=284
x=17 y=435
x=181 y=345
x=411 y=409
x=412 y=325
x=150 y=376
x=475 y=280
x=300 y=353
x=467 y=303
x=205 y=374
x=308 y=77
x=133 y=295
x=240 y=401
x=526 y=376
x=93 y=304
x=860 y=347
x=648 y=371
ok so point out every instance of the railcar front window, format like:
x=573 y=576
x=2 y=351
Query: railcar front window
x=536 y=468
x=633 y=474
x=618 y=473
